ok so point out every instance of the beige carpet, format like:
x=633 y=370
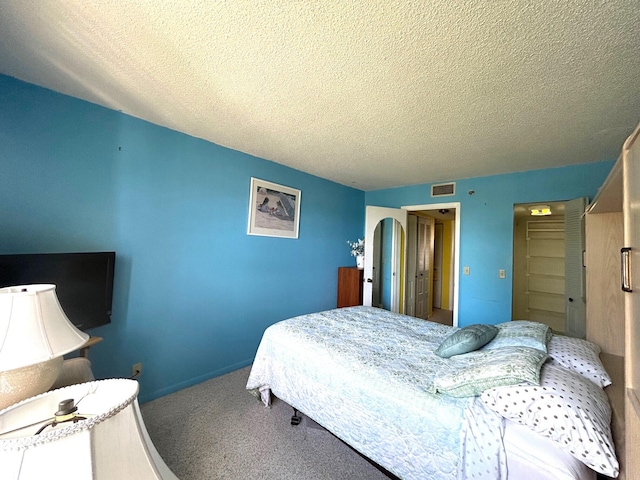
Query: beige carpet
x=217 y=429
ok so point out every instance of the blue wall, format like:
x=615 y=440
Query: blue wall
x=193 y=292
x=486 y=226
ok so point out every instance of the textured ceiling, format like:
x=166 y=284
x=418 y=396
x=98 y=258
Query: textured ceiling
x=370 y=94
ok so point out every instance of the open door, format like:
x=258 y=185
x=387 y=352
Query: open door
x=575 y=286
x=393 y=255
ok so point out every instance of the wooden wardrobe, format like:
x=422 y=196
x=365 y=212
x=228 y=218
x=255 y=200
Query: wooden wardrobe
x=612 y=258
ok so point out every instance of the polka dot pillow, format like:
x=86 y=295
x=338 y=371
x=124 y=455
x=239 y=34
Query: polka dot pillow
x=567 y=408
x=580 y=356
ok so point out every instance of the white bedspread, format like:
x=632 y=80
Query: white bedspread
x=366 y=374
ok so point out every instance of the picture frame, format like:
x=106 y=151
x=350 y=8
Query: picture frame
x=274 y=210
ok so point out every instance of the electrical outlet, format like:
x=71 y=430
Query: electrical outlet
x=136 y=370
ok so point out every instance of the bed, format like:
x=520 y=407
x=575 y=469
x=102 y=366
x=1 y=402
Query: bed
x=524 y=404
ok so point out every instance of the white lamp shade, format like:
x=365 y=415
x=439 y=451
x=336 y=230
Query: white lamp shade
x=33 y=327
x=112 y=443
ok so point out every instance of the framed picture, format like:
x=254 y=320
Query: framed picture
x=274 y=210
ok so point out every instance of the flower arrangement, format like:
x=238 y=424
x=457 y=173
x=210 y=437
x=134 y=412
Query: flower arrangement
x=357 y=248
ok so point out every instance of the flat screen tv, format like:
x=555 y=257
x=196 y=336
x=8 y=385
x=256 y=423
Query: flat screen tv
x=84 y=281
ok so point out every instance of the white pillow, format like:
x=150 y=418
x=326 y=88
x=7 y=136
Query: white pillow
x=567 y=408
x=520 y=333
x=580 y=356
x=472 y=373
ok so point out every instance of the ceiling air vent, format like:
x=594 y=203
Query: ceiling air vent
x=443 y=189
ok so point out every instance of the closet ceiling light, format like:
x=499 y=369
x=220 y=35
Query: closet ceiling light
x=540 y=210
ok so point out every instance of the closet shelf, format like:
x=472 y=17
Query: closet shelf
x=544 y=275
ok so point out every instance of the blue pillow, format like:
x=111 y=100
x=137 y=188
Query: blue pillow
x=466 y=340
x=521 y=333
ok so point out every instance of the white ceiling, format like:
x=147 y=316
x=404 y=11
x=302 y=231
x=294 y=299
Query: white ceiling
x=370 y=94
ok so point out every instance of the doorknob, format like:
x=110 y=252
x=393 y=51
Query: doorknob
x=570 y=299
x=369 y=280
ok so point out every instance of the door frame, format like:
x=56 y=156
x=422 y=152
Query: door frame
x=574 y=285
x=402 y=218
x=455 y=278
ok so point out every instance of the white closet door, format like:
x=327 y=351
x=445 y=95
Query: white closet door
x=423 y=273
x=575 y=291
x=412 y=235
x=631 y=213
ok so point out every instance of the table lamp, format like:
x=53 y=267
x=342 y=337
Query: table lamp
x=85 y=431
x=34 y=335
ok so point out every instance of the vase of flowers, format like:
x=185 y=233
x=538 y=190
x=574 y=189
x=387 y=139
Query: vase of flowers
x=357 y=250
